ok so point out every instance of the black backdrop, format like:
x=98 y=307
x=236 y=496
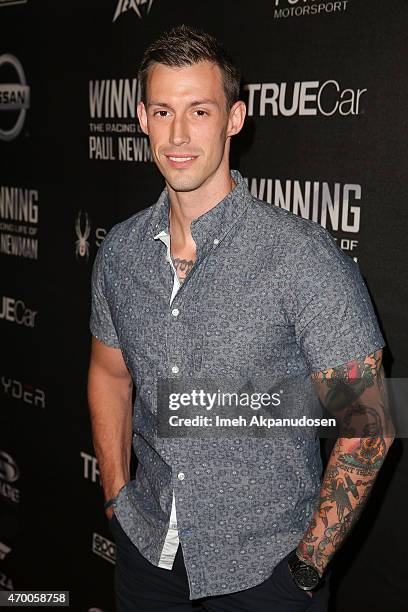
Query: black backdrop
x=326 y=137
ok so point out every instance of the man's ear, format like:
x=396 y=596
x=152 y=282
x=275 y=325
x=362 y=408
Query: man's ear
x=142 y=116
x=236 y=119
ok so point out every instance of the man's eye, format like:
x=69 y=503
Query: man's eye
x=201 y=113
x=161 y=113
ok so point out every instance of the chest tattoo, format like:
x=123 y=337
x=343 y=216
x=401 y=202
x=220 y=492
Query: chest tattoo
x=183 y=267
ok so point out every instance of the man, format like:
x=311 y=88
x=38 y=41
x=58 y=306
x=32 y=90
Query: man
x=211 y=282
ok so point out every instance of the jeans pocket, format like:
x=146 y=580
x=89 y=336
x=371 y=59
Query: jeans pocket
x=112 y=524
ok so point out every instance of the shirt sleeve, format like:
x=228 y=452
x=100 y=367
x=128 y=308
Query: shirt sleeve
x=334 y=317
x=100 y=323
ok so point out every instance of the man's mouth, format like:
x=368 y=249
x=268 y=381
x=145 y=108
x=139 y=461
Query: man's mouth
x=181 y=160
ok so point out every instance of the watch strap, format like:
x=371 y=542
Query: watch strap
x=295 y=563
x=110 y=502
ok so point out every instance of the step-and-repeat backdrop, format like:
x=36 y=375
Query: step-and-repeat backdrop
x=326 y=138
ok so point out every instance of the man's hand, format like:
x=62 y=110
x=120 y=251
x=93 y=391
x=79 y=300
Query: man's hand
x=109 y=512
x=355 y=393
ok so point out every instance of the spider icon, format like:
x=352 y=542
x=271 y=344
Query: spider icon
x=82 y=244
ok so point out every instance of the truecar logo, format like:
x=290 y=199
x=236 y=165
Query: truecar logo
x=303 y=98
x=15 y=311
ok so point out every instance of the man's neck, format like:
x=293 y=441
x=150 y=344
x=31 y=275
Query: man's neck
x=185 y=206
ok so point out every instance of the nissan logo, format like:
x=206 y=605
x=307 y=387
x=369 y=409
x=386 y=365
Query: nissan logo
x=8 y=469
x=14 y=97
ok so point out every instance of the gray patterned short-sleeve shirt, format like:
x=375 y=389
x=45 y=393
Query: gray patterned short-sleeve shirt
x=269 y=292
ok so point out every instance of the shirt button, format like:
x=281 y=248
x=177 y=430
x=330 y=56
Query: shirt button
x=216 y=241
x=175 y=369
x=181 y=476
x=175 y=312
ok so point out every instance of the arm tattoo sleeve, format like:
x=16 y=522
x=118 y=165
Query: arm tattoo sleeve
x=355 y=393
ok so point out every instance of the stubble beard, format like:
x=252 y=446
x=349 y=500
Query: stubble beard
x=185 y=183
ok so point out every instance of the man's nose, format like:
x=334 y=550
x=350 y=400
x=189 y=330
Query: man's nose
x=179 y=131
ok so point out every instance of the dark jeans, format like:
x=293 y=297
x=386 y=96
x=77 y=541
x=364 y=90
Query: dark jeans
x=143 y=587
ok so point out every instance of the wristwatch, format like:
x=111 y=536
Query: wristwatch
x=304 y=575
x=110 y=502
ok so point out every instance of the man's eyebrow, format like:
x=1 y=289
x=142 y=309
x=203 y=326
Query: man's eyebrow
x=158 y=104
x=194 y=103
x=205 y=101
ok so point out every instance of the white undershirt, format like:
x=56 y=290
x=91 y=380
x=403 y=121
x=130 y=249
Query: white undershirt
x=172 y=541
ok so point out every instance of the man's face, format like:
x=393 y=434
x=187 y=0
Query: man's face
x=188 y=123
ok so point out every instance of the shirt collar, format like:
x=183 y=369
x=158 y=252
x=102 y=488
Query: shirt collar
x=209 y=229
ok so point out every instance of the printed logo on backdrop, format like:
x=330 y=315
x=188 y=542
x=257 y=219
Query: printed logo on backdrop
x=114 y=132
x=82 y=244
x=91 y=469
x=301 y=8
x=12 y=2
x=19 y=222
x=140 y=7
x=15 y=311
x=84 y=236
x=9 y=474
x=24 y=392
x=103 y=547
x=4 y=551
x=304 y=99
x=336 y=206
x=6 y=583
x=14 y=97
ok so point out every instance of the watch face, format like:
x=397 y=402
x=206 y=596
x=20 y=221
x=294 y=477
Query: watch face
x=306 y=577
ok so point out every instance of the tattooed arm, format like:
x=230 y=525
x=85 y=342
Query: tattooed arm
x=356 y=394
